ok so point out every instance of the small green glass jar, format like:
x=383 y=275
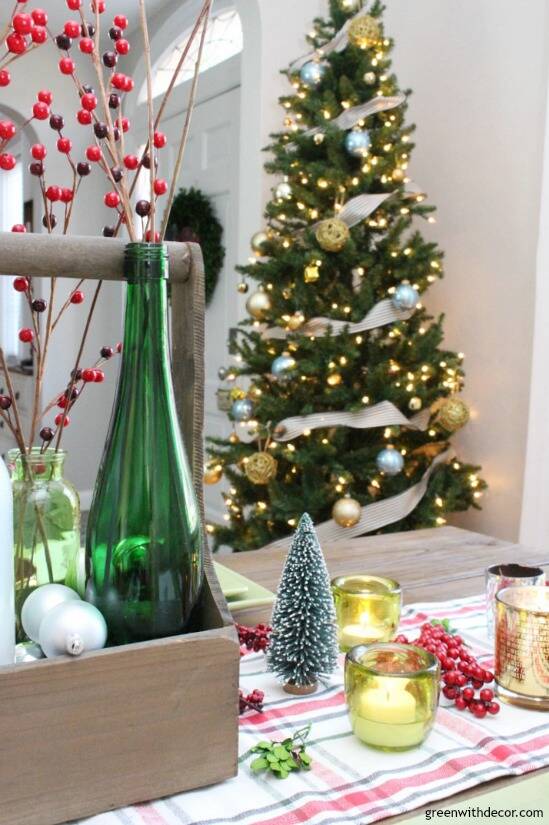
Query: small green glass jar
x=367 y=609
x=46 y=523
x=392 y=694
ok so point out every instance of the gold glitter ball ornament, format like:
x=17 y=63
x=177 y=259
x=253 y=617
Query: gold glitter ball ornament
x=212 y=473
x=261 y=467
x=332 y=234
x=346 y=512
x=295 y=321
x=258 y=304
x=451 y=413
x=311 y=273
x=259 y=239
x=364 y=31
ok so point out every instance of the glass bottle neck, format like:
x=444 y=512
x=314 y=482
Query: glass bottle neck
x=145 y=329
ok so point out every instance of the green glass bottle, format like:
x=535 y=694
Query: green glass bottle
x=144 y=538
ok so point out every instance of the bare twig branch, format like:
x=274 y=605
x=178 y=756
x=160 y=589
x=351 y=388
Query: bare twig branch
x=186 y=127
x=18 y=432
x=150 y=110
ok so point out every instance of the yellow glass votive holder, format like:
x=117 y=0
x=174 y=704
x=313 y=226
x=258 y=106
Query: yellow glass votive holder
x=367 y=609
x=392 y=693
x=522 y=646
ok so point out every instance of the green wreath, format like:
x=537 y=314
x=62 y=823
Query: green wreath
x=193 y=219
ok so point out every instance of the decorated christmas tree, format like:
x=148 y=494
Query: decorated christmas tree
x=303 y=646
x=342 y=396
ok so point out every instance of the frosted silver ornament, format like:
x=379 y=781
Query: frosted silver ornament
x=242 y=409
x=405 y=297
x=40 y=602
x=390 y=462
x=222 y=373
x=357 y=143
x=311 y=73
x=283 y=191
x=72 y=628
x=283 y=366
x=27 y=652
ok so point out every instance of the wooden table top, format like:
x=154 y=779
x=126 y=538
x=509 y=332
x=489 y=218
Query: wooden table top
x=431 y=565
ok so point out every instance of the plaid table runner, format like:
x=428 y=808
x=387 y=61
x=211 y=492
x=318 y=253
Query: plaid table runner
x=349 y=782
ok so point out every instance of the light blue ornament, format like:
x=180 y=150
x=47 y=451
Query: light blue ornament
x=311 y=73
x=357 y=143
x=405 y=297
x=283 y=366
x=242 y=409
x=390 y=462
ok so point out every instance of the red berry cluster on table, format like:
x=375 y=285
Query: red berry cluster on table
x=251 y=701
x=253 y=638
x=89 y=53
x=463 y=678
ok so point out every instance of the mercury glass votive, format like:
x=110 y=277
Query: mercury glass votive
x=367 y=609
x=392 y=693
x=522 y=646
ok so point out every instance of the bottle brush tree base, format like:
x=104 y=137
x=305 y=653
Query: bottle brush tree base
x=300 y=690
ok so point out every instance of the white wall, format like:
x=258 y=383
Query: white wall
x=479 y=76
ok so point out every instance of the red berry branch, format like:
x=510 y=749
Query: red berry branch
x=99 y=109
x=463 y=678
x=252 y=638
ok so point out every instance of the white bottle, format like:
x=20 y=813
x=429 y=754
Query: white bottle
x=7 y=584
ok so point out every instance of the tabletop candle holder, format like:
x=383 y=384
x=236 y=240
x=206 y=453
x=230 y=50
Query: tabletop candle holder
x=522 y=646
x=392 y=694
x=500 y=576
x=367 y=609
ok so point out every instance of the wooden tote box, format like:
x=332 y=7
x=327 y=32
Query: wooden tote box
x=133 y=723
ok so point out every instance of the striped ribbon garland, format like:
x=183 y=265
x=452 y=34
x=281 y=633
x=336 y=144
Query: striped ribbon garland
x=374 y=516
x=336 y=44
x=384 y=414
x=352 y=116
x=380 y=315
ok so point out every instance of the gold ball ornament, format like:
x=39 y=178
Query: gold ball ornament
x=318 y=138
x=398 y=175
x=370 y=78
x=261 y=468
x=364 y=31
x=334 y=379
x=234 y=439
x=311 y=273
x=258 y=241
x=242 y=287
x=346 y=512
x=451 y=413
x=295 y=321
x=415 y=403
x=332 y=234
x=258 y=304
x=212 y=473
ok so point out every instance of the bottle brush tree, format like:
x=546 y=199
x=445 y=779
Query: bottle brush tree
x=303 y=646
